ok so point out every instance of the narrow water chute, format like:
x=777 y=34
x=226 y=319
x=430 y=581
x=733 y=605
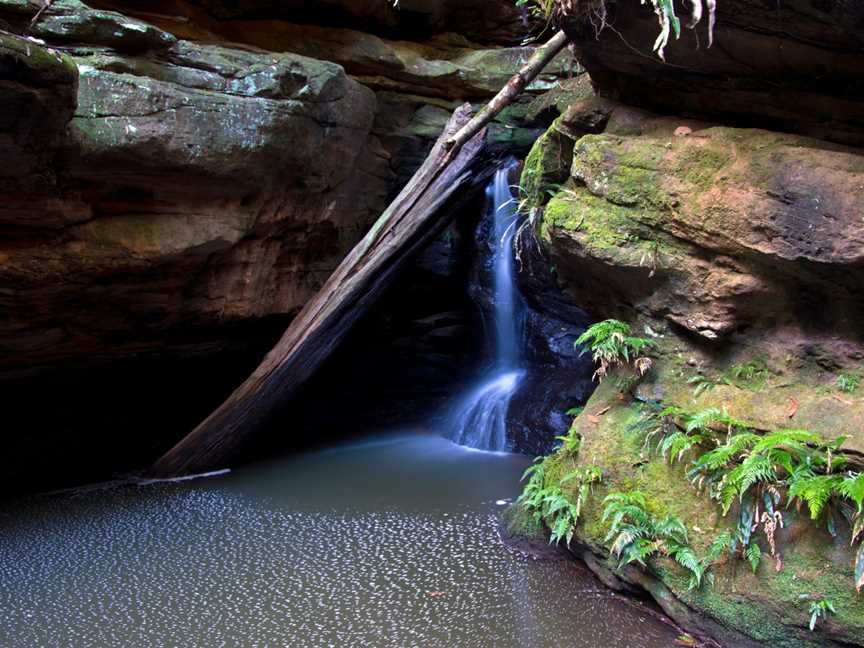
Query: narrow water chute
x=480 y=418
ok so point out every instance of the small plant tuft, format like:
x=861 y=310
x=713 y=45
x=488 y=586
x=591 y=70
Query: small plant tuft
x=751 y=376
x=612 y=346
x=570 y=442
x=595 y=10
x=848 y=383
x=820 y=610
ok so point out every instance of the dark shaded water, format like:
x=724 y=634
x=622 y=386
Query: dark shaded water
x=389 y=543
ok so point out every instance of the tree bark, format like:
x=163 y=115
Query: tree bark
x=513 y=88
x=411 y=220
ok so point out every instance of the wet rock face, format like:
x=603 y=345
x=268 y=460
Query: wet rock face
x=793 y=66
x=38 y=89
x=162 y=182
x=558 y=378
x=715 y=231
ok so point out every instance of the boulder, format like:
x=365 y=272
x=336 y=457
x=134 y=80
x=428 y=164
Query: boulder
x=715 y=231
x=225 y=185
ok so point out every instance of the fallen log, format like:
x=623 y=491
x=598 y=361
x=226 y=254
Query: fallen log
x=408 y=223
x=455 y=163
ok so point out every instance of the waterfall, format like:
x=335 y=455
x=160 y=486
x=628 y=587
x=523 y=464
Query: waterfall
x=480 y=418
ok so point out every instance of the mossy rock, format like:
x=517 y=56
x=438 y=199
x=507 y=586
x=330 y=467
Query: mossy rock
x=547 y=165
x=771 y=606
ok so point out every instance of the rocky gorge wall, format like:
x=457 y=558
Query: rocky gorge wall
x=737 y=251
x=178 y=167
x=182 y=176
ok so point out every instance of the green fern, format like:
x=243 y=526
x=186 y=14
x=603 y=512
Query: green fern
x=701 y=384
x=570 y=442
x=754 y=556
x=852 y=489
x=751 y=375
x=636 y=535
x=549 y=504
x=676 y=445
x=612 y=346
x=814 y=490
x=711 y=418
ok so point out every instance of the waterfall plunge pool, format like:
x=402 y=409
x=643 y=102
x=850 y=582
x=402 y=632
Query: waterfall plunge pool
x=391 y=542
x=386 y=542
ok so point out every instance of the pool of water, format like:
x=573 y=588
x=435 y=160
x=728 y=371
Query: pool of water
x=392 y=542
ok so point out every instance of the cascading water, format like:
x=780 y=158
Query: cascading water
x=480 y=419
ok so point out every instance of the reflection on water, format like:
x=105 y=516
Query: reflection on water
x=385 y=544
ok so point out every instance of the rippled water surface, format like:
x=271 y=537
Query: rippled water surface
x=391 y=543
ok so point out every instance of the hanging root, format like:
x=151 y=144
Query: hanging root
x=595 y=12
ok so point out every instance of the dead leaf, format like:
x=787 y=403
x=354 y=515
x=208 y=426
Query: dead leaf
x=842 y=400
x=683 y=131
x=793 y=407
x=593 y=419
x=435 y=594
x=603 y=411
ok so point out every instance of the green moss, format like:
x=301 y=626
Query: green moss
x=701 y=164
x=625 y=171
x=603 y=227
x=520 y=524
x=547 y=165
x=565 y=93
x=35 y=64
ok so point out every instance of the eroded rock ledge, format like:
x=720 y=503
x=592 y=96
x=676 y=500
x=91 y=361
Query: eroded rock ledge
x=791 y=66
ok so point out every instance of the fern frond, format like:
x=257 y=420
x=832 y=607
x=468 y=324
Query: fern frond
x=852 y=488
x=793 y=440
x=754 y=469
x=754 y=556
x=722 y=544
x=815 y=491
x=671 y=527
x=688 y=559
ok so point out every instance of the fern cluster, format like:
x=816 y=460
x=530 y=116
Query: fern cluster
x=612 y=345
x=636 y=535
x=550 y=505
x=570 y=442
x=758 y=471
